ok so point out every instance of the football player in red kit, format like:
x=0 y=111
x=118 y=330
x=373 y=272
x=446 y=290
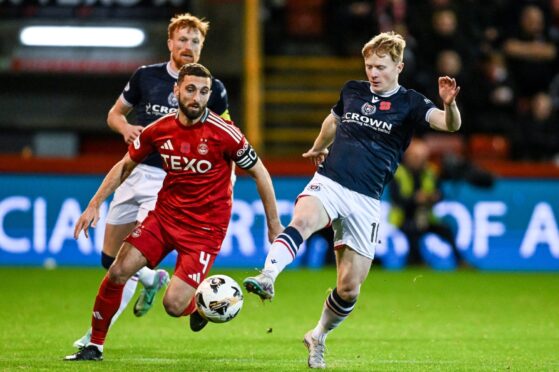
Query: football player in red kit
x=193 y=207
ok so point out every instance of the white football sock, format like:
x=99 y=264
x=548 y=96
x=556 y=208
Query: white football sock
x=334 y=312
x=146 y=276
x=127 y=294
x=283 y=251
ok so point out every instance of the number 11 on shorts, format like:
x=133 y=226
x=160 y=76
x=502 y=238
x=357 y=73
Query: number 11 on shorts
x=374 y=232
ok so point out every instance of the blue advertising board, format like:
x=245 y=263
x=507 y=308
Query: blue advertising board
x=512 y=226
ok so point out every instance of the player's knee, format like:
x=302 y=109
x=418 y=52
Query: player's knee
x=173 y=307
x=106 y=260
x=117 y=274
x=348 y=291
x=305 y=226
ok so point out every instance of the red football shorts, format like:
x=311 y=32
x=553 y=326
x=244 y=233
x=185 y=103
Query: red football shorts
x=196 y=251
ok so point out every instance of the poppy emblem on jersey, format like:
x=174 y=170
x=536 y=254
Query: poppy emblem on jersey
x=173 y=102
x=368 y=109
x=202 y=149
x=136 y=232
x=385 y=106
x=185 y=148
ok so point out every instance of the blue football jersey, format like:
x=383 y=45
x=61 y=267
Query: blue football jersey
x=373 y=132
x=150 y=92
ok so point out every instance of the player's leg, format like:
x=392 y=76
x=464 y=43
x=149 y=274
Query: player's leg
x=114 y=236
x=309 y=216
x=178 y=297
x=128 y=261
x=152 y=280
x=193 y=265
x=352 y=272
x=356 y=233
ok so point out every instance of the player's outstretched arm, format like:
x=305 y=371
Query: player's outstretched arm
x=113 y=179
x=266 y=191
x=448 y=120
x=319 y=150
x=116 y=119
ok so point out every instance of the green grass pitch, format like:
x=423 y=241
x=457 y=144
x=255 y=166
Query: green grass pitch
x=414 y=320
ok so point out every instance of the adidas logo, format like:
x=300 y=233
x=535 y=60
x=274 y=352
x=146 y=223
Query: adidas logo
x=97 y=315
x=167 y=145
x=195 y=277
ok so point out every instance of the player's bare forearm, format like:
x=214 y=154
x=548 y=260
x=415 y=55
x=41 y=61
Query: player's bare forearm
x=319 y=150
x=453 y=120
x=327 y=133
x=448 y=120
x=115 y=177
x=267 y=195
x=119 y=172
x=116 y=119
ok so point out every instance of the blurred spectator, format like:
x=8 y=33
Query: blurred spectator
x=409 y=73
x=274 y=19
x=531 y=54
x=492 y=98
x=447 y=63
x=445 y=35
x=351 y=24
x=413 y=192
x=390 y=14
x=537 y=135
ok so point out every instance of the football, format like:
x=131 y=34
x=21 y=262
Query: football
x=219 y=298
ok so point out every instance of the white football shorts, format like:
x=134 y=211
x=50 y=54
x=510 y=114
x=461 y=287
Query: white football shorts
x=136 y=196
x=355 y=217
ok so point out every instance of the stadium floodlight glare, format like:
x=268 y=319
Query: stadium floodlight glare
x=74 y=36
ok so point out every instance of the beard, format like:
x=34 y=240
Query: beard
x=192 y=112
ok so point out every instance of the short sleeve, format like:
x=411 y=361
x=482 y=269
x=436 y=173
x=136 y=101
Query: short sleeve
x=142 y=145
x=219 y=102
x=132 y=92
x=238 y=149
x=338 y=108
x=420 y=107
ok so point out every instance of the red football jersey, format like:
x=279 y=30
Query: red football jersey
x=197 y=189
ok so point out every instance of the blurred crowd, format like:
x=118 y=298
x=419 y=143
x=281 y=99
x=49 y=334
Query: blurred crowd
x=504 y=55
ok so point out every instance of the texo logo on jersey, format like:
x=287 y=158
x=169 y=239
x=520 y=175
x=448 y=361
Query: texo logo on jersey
x=175 y=162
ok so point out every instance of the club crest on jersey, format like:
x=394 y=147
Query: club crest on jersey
x=368 y=109
x=203 y=149
x=173 y=102
x=242 y=151
x=314 y=187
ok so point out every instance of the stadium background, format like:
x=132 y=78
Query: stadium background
x=283 y=62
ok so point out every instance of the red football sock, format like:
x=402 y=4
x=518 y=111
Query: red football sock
x=190 y=308
x=106 y=305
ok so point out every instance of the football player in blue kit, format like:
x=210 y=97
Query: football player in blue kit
x=149 y=93
x=357 y=151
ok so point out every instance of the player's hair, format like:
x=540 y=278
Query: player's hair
x=385 y=43
x=189 y=21
x=193 y=69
